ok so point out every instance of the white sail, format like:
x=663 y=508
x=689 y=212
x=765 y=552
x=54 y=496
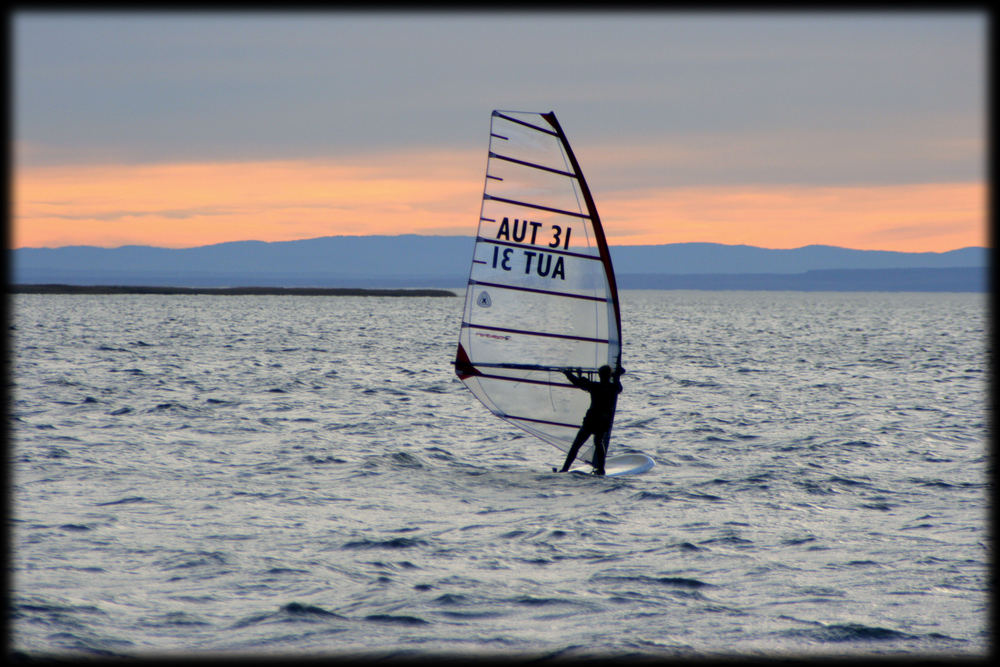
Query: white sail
x=541 y=295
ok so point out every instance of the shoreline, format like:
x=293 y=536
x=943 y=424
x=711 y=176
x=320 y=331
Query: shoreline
x=56 y=288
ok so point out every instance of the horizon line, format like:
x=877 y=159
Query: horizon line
x=409 y=234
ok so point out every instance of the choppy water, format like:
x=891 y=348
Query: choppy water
x=305 y=475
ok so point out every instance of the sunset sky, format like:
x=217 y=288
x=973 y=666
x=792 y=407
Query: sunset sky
x=862 y=130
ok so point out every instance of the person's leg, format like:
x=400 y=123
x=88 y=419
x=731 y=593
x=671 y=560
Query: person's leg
x=600 y=451
x=581 y=437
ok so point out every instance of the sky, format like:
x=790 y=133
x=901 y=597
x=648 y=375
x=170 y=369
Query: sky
x=864 y=130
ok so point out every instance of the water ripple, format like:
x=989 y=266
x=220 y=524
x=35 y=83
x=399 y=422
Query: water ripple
x=239 y=475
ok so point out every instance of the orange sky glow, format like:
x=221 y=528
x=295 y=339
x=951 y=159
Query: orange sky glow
x=193 y=204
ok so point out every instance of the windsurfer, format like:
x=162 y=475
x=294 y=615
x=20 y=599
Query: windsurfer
x=597 y=421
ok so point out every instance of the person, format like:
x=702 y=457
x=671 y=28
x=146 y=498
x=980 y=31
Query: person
x=597 y=421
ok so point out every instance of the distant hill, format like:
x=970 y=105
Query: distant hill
x=968 y=279
x=443 y=261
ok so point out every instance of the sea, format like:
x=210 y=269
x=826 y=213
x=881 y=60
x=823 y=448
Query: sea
x=269 y=476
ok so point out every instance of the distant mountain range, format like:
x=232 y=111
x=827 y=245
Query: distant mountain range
x=443 y=261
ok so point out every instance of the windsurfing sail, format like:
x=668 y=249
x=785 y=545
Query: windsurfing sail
x=541 y=296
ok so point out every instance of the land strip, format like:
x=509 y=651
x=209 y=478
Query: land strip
x=233 y=291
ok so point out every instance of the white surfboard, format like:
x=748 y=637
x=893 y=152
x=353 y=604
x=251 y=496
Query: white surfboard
x=623 y=464
x=627 y=464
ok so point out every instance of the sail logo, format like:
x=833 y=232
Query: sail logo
x=491 y=336
x=484 y=300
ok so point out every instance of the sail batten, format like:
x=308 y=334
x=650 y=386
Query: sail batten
x=525 y=163
x=538 y=206
x=525 y=123
x=508 y=378
x=568 y=295
x=541 y=296
x=535 y=420
x=536 y=367
x=545 y=334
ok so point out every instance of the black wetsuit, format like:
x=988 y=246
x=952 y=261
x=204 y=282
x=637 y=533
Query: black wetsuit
x=597 y=421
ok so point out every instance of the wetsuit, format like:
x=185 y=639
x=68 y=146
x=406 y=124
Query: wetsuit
x=597 y=421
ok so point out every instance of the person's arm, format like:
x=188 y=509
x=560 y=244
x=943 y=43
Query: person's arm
x=578 y=380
